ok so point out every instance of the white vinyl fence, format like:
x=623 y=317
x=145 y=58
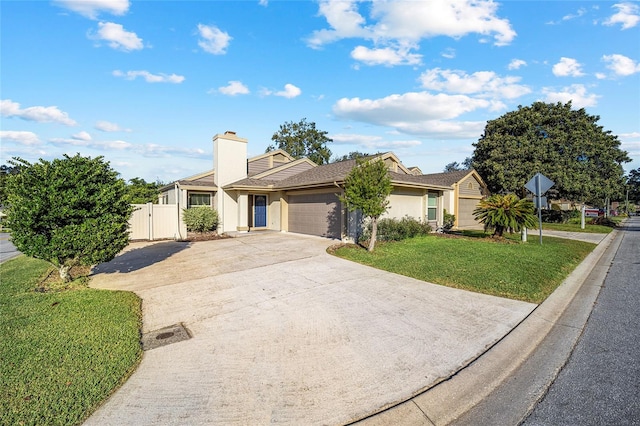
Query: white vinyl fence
x=157 y=222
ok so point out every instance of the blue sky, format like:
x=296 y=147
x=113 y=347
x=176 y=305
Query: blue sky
x=146 y=84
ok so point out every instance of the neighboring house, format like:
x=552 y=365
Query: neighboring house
x=275 y=191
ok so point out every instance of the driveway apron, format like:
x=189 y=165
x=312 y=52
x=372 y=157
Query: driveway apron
x=282 y=332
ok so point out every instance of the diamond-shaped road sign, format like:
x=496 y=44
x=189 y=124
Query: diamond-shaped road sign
x=539 y=184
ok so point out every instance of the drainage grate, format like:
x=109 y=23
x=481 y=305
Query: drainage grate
x=165 y=336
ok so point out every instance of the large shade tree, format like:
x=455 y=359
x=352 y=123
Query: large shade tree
x=140 y=191
x=633 y=185
x=5 y=172
x=566 y=145
x=68 y=211
x=302 y=139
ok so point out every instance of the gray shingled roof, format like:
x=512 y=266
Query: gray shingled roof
x=445 y=179
x=260 y=183
x=325 y=174
x=336 y=172
x=197 y=182
x=203 y=181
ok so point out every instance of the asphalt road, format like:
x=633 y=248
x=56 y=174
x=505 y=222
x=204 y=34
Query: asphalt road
x=600 y=384
x=7 y=250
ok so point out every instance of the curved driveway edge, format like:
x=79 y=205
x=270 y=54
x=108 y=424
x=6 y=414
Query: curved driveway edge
x=488 y=380
x=284 y=333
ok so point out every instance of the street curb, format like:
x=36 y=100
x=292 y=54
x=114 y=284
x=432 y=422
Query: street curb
x=450 y=399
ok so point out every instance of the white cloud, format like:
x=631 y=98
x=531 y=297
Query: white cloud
x=373 y=143
x=483 y=83
x=628 y=15
x=213 y=40
x=234 y=88
x=290 y=91
x=385 y=56
x=397 y=25
x=452 y=18
x=567 y=67
x=116 y=145
x=20 y=137
x=154 y=150
x=146 y=150
x=516 y=64
x=578 y=14
x=449 y=53
x=621 y=65
x=630 y=142
x=117 y=37
x=82 y=136
x=69 y=141
x=106 y=126
x=39 y=114
x=263 y=2
x=344 y=19
x=420 y=113
x=150 y=78
x=576 y=93
x=91 y=8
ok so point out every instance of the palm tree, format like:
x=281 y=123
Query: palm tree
x=505 y=213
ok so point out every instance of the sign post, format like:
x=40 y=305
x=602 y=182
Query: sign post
x=539 y=184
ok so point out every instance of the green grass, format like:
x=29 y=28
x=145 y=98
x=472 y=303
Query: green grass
x=61 y=353
x=575 y=227
x=521 y=271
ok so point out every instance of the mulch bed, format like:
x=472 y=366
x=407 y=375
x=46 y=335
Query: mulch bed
x=205 y=236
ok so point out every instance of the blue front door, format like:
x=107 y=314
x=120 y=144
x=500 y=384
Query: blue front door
x=260 y=211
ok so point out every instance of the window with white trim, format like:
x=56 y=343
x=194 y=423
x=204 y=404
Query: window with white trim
x=198 y=199
x=432 y=206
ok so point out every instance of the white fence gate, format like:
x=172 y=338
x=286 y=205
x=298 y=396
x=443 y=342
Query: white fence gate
x=157 y=222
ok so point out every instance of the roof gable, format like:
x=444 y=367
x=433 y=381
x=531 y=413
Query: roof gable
x=286 y=170
x=268 y=160
x=454 y=177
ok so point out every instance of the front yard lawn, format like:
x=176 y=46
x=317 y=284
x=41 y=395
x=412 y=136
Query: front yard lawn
x=521 y=271
x=61 y=353
x=575 y=227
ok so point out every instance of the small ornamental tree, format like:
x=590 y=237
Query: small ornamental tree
x=70 y=211
x=367 y=188
x=505 y=213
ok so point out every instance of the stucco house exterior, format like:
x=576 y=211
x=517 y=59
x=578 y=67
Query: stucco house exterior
x=277 y=192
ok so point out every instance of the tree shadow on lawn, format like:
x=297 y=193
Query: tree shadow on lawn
x=139 y=258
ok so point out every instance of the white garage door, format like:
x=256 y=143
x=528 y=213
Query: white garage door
x=315 y=214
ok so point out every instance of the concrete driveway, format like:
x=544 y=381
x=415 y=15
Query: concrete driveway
x=284 y=333
x=7 y=249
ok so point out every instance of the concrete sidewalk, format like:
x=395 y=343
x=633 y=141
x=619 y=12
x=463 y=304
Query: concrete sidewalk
x=284 y=333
